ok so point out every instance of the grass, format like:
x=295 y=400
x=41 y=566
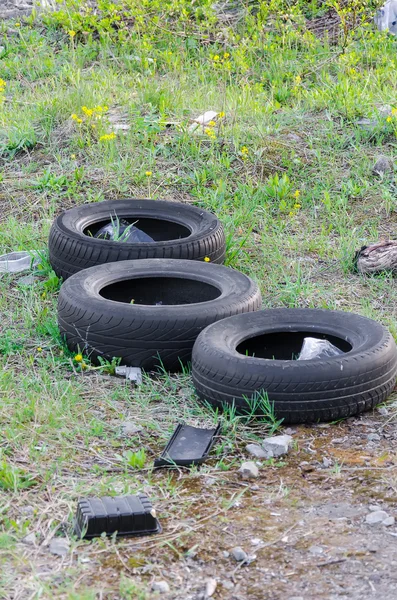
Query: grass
x=287 y=169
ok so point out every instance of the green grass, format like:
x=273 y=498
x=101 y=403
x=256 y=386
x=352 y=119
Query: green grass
x=288 y=171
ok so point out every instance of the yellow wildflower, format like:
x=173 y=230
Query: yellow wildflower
x=297 y=194
x=211 y=124
x=72 y=156
x=221 y=115
x=394 y=112
x=17 y=24
x=297 y=206
x=244 y=150
x=39 y=349
x=107 y=136
x=291 y=214
x=207 y=259
x=74 y=117
x=83 y=365
x=87 y=111
x=226 y=55
x=148 y=173
x=79 y=120
x=389 y=119
x=78 y=358
x=215 y=58
x=71 y=33
x=298 y=79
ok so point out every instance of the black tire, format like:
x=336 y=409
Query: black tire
x=302 y=391
x=142 y=335
x=72 y=250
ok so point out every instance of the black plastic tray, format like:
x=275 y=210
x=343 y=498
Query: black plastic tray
x=188 y=446
x=126 y=515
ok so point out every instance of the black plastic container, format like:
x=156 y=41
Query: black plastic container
x=188 y=446
x=126 y=515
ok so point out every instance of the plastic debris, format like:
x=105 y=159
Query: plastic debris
x=386 y=17
x=123 y=515
x=188 y=446
x=200 y=122
x=123 y=231
x=16 y=262
x=314 y=348
x=132 y=373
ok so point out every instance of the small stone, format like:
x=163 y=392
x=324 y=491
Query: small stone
x=160 y=586
x=388 y=522
x=59 y=546
x=30 y=539
x=289 y=430
x=27 y=510
x=256 y=541
x=249 y=470
x=374 y=507
x=316 y=550
x=382 y=410
x=27 y=280
x=226 y=554
x=210 y=587
x=239 y=555
x=382 y=166
x=256 y=451
x=376 y=517
x=373 y=437
x=228 y=585
x=368 y=124
x=385 y=110
x=277 y=445
x=327 y=462
x=130 y=428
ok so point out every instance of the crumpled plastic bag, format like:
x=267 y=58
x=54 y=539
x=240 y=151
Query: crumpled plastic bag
x=314 y=348
x=386 y=17
x=123 y=232
x=16 y=262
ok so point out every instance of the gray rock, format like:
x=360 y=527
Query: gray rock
x=210 y=587
x=226 y=554
x=388 y=522
x=160 y=586
x=385 y=110
x=383 y=165
x=239 y=555
x=228 y=585
x=316 y=550
x=376 y=517
x=277 y=445
x=255 y=450
x=368 y=124
x=327 y=462
x=256 y=541
x=30 y=539
x=374 y=507
x=27 y=510
x=248 y=470
x=27 y=280
x=373 y=437
x=382 y=410
x=130 y=428
x=59 y=546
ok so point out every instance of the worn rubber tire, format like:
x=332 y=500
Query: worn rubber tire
x=302 y=391
x=140 y=334
x=71 y=250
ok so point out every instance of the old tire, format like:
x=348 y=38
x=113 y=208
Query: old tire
x=302 y=391
x=180 y=231
x=96 y=317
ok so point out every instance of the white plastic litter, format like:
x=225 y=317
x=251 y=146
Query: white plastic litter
x=15 y=262
x=314 y=348
x=200 y=122
x=386 y=17
x=132 y=373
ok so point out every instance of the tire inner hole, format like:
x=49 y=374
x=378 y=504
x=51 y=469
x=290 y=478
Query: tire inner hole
x=160 y=291
x=285 y=345
x=160 y=230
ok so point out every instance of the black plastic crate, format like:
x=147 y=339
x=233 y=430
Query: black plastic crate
x=126 y=515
